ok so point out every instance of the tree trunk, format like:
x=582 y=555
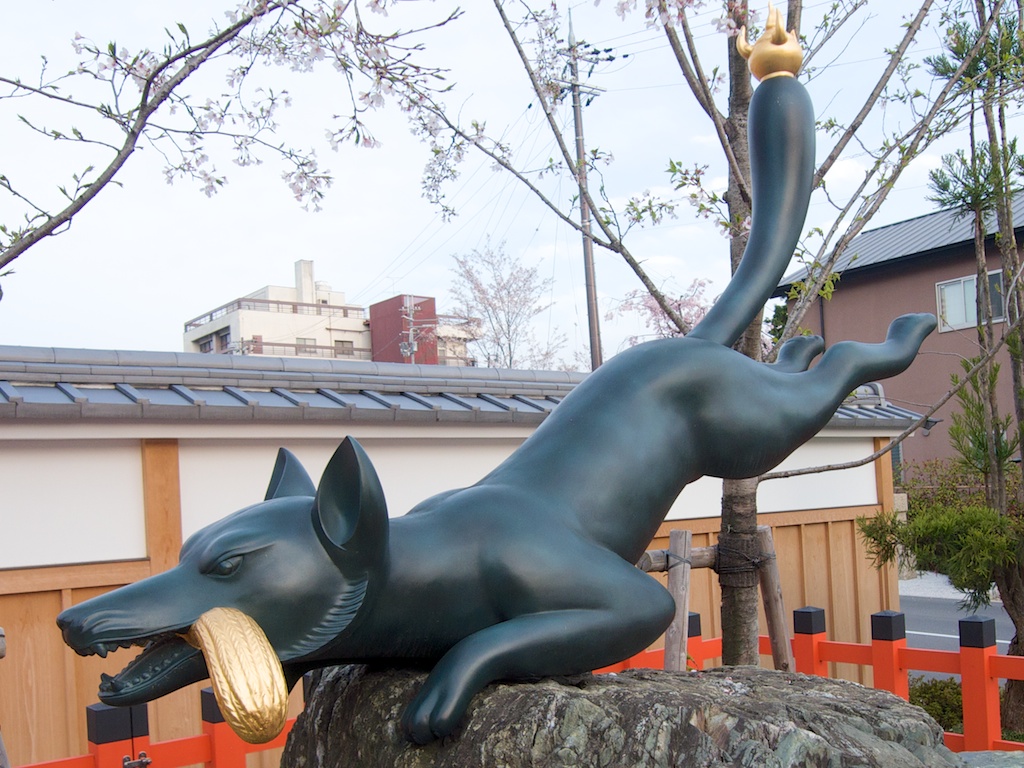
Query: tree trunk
x=1010 y=583
x=738 y=537
x=737 y=551
x=1009 y=578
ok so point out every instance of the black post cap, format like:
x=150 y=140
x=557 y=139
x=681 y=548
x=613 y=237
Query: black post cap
x=888 y=625
x=977 y=632
x=693 y=625
x=809 y=620
x=210 y=707
x=106 y=724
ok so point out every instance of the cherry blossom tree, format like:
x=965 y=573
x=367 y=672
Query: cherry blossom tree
x=498 y=299
x=690 y=306
x=117 y=99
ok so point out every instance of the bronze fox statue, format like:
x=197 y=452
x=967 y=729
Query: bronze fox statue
x=529 y=572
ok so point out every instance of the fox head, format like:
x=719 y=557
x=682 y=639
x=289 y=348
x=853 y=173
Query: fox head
x=303 y=564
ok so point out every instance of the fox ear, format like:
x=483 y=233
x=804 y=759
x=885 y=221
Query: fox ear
x=350 y=512
x=289 y=478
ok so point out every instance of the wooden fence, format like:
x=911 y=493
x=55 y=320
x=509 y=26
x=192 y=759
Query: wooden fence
x=119 y=738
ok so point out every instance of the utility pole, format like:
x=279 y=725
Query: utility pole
x=581 y=178
x=408 y=348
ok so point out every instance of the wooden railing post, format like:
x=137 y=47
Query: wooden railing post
x=980 y=689
x=226 y=749
x=888 y=639
x=808 y=633
x=116 y=733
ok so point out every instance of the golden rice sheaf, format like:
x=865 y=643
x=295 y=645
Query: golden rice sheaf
x=246 y=674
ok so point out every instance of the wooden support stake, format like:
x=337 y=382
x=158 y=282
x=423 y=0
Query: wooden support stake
x=774 y=609
x=679 y=545
x=657 y=560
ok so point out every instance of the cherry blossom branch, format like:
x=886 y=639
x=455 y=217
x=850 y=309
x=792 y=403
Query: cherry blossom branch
x=694 y=76
x=613 y=242
x=196 y=57
x=294 y=33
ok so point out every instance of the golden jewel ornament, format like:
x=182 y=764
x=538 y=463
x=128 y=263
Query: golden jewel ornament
x=246 y=674
x=776 y=53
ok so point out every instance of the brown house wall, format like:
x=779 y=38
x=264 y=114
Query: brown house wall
x=865 y=303
x=389 y=327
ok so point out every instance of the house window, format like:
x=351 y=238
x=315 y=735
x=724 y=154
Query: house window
x=344 y=348
x=958 y=304
x=224 y=340
x=305 y=346
x=206 y=344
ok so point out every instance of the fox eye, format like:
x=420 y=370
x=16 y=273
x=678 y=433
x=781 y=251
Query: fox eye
x=227 y=566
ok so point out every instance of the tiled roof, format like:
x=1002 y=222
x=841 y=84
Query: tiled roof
x=46 y=383
x=911 y=238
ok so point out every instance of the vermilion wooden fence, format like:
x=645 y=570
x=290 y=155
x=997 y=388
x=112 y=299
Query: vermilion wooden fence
x=118 y=737
x=979 y=665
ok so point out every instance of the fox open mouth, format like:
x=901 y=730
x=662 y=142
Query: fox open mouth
x=166 y=664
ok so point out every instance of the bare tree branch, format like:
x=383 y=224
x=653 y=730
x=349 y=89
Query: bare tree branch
x=894 y=61
x=869 y=206
x=612 y=242
x=194 y=58
x=695 y=78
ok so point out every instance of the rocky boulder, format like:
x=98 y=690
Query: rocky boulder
x=740 y=716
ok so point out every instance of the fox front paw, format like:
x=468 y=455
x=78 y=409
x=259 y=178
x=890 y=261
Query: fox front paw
x=433 y=714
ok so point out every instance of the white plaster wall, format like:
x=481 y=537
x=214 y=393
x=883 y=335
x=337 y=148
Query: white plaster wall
x=71 y=501
x=844 y=488
x=824 y=490
x=72 y=493
x=221 y=476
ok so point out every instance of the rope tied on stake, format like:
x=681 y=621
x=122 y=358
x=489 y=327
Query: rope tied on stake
x=737 y=560
x=674 y=560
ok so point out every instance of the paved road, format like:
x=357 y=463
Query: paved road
x=932 y=622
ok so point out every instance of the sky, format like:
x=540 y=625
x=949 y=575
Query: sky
x=146 y=256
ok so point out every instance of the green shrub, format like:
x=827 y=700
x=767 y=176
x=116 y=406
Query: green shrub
x=941 y=699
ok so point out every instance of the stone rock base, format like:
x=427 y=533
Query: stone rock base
x=740 y=716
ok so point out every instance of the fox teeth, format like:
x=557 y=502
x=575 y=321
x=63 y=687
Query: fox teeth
x=246 y=673
x=108 y=683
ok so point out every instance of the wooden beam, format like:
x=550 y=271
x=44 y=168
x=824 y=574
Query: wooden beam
x=161 y=493
x=17 y=581
x=883 y=477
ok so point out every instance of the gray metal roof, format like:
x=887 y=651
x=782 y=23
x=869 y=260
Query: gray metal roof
x=915 y=237
x=71 y=384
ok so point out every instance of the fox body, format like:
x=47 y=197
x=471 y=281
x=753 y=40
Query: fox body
x=529 y=572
